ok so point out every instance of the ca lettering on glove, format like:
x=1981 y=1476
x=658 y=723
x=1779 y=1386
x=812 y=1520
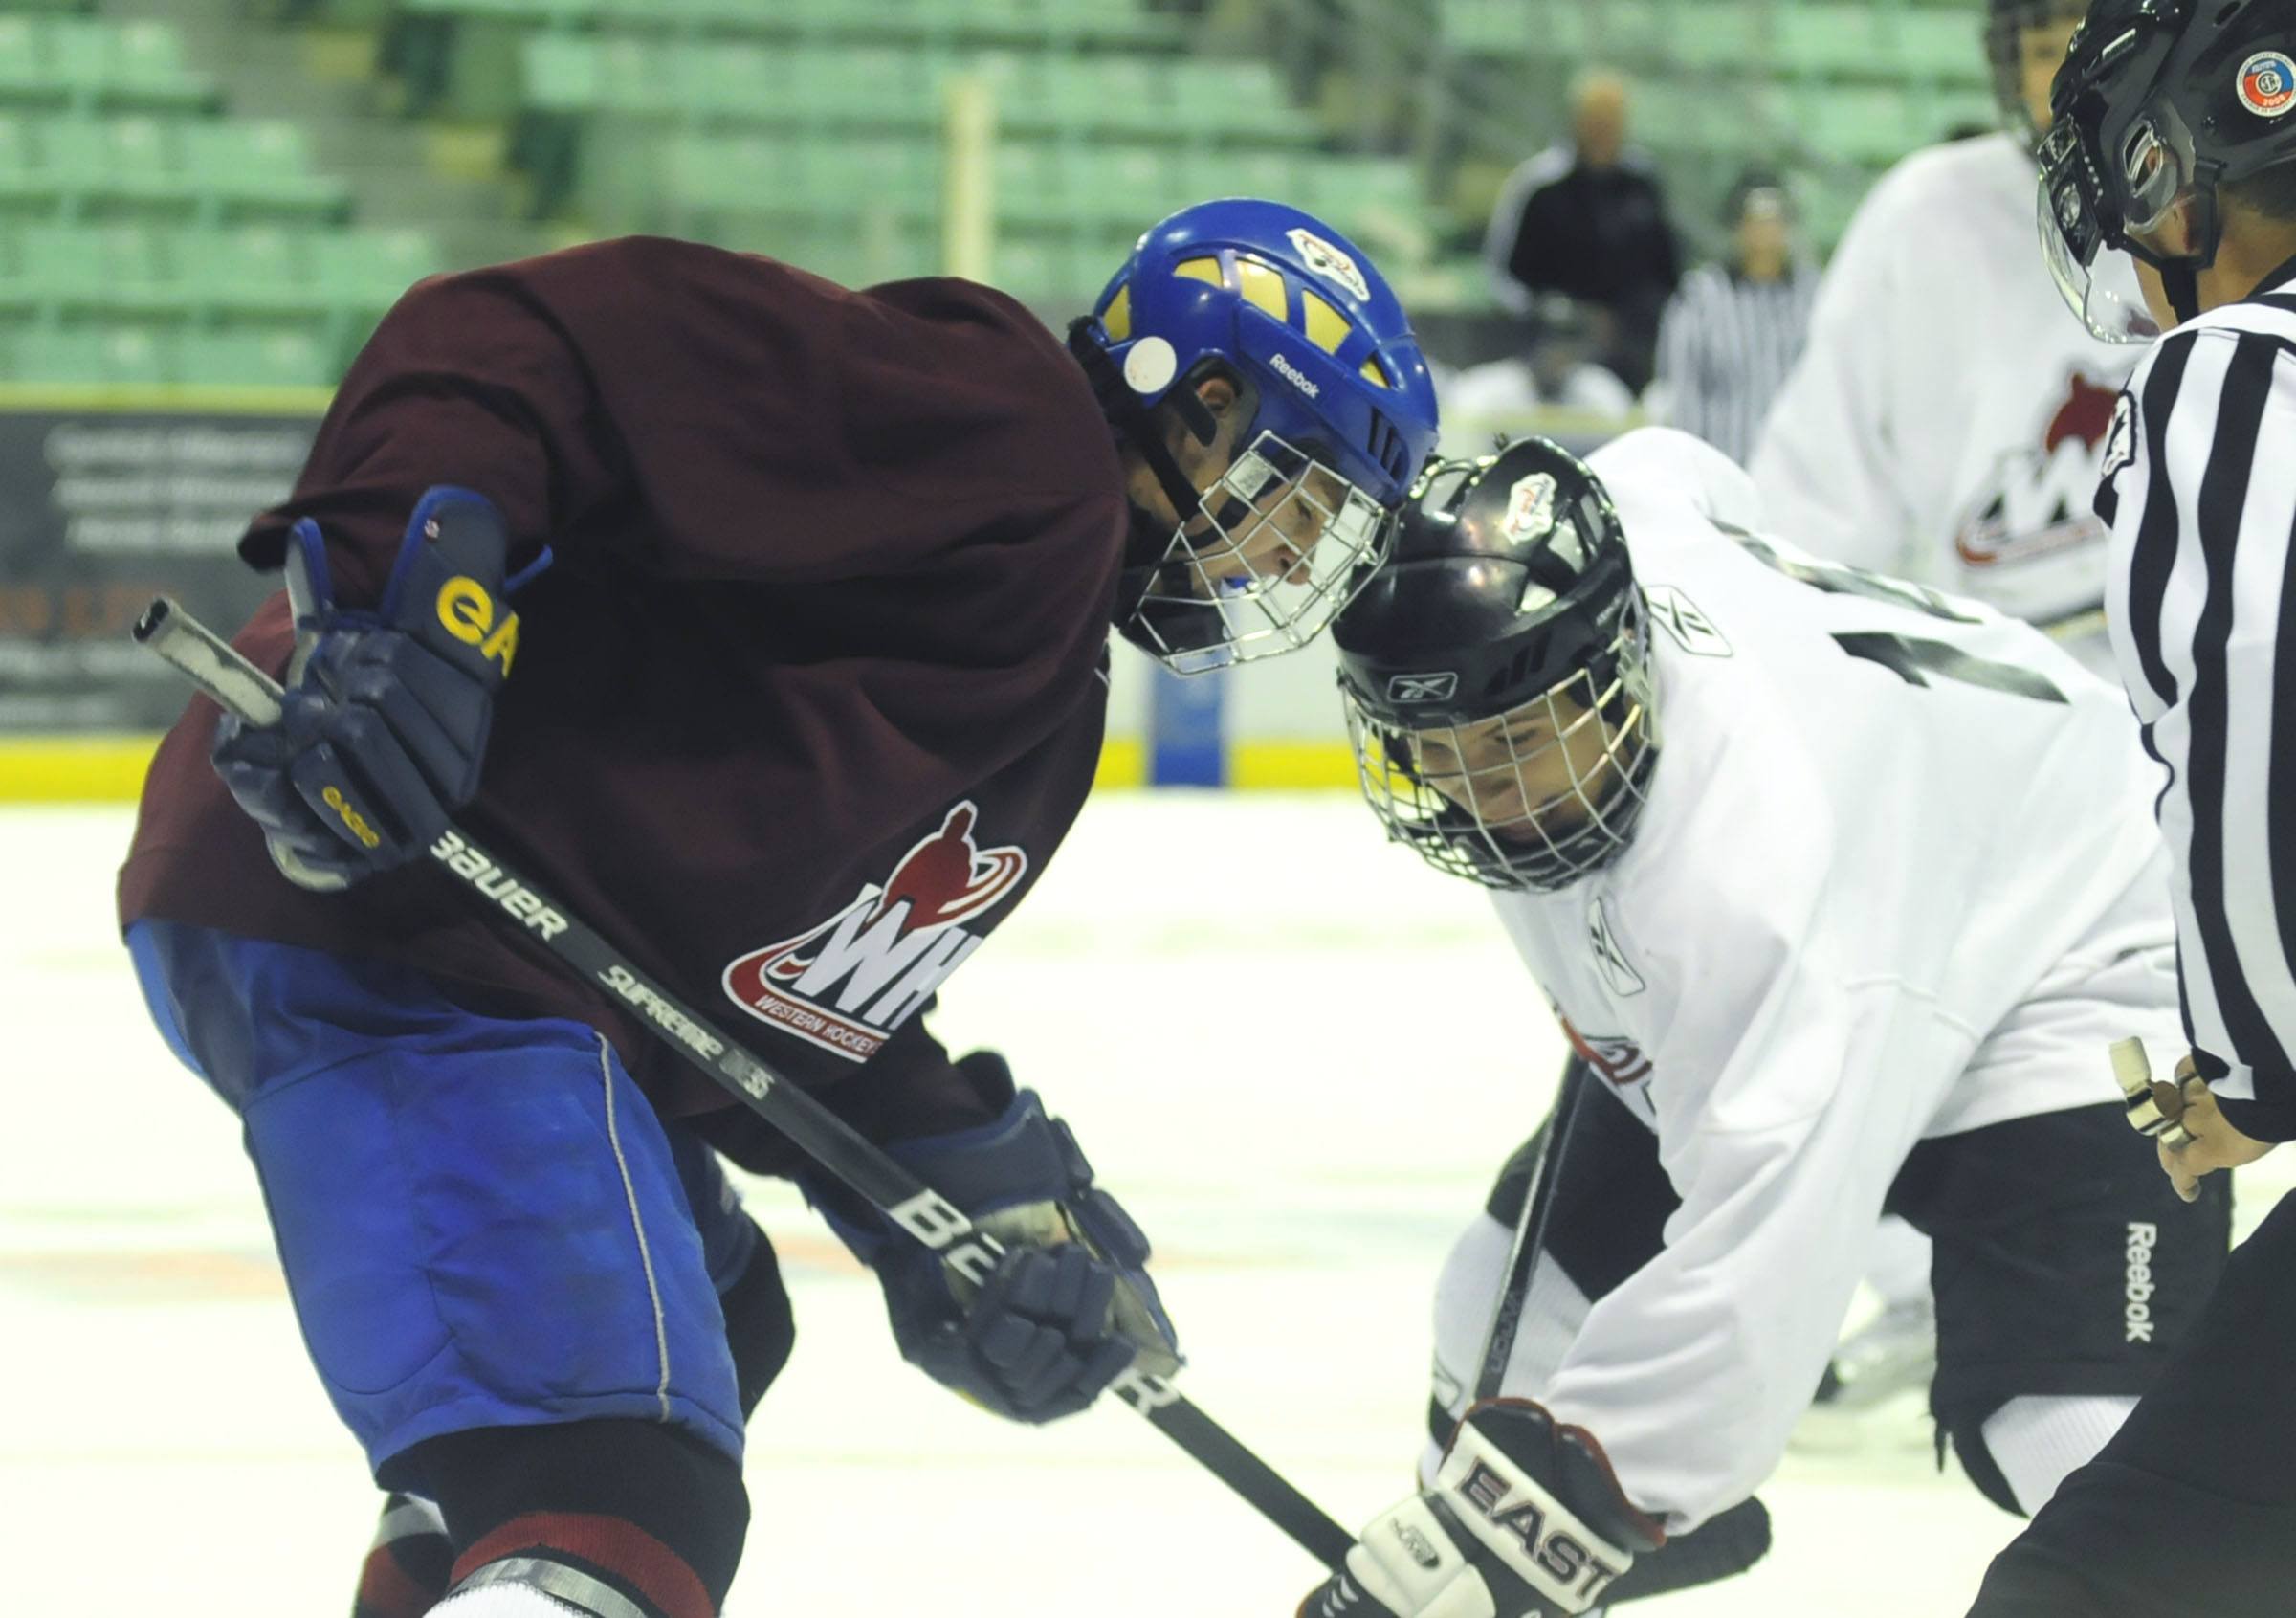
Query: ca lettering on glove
x=1408 y=1565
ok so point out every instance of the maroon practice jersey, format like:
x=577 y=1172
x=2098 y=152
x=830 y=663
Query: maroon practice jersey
x=812 y=691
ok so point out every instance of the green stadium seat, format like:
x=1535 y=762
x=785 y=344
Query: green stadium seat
x=147 y=67
x=544 y=14
x=256 y=357
x=562 y=74
x=1947 y=47
x=369 y=269
x=252 y=269
x=1725 y=38
x=1562 y=31
x=138 y=164
x=257 y=166
x=1502 y=29
x=21 y=182
x=113 y=268
x=1869 y=125
x=1838 y=40
x=23 y=73
x=78 y=55
x=1030 y=184
x=86 y=356
x=1631 y=30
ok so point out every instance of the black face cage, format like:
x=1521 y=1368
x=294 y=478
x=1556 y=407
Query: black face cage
x=1534 y=797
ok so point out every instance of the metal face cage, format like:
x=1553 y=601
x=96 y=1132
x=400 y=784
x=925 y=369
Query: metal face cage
x=1271 y=555
x=1534 y=797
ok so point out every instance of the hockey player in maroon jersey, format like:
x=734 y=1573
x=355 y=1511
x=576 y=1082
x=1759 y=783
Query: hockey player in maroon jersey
x=765 y=622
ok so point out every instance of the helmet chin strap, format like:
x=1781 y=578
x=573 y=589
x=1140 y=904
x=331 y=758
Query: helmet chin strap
x=1136 y=424
x=2180 y=279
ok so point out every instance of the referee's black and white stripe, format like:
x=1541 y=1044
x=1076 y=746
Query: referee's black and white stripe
x=2206 y=511
x=1724 y=348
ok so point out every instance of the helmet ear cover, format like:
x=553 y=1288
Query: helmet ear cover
x=1135 y=422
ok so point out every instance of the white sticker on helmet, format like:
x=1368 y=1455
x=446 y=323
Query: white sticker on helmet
x=1530 y=510
x=1329 y=262
x=1151 y=366
x=2268 y=84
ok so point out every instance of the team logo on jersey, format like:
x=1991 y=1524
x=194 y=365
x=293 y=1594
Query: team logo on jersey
x=1680 y=617
x=1329 y=262
x=1530 y=510
x=1423 y=688
x=2036 y=502
x=2120 y=444
x=1619 y=1060
x=2268 y=84
x=846 y=983
x=1609 y=959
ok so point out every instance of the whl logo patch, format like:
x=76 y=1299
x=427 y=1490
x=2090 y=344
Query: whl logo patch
x=846 y=983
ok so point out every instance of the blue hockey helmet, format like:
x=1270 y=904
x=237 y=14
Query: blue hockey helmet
x=1342 y=418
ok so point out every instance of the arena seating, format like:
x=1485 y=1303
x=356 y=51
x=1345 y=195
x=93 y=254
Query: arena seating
x=146 y=238
x=151 y=236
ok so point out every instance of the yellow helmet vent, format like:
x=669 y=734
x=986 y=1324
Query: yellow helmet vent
x=1262 y=287
x=1370 y=373
x=1327 y=327
x=1117 y=317
x=1206 y=270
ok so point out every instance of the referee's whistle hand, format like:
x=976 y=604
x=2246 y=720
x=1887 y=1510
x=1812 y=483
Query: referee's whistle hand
x=2214 y=1143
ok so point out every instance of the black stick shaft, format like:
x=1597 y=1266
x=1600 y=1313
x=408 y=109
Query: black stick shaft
x=218 y=668
x=1530 y=1236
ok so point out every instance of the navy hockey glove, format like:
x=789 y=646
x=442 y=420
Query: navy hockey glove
x=387 y=712
x=1525 y=1517
x=1070 y=1306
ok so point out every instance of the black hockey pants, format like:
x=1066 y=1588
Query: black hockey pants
x=2190 y=1511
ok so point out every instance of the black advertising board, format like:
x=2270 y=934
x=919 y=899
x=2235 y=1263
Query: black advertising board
x=100 y=511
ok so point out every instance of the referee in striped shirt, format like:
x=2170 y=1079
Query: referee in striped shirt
x=2176 y=143
x=1733 y=331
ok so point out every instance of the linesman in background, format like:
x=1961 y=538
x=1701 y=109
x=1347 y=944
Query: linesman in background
x=2175 y=142
x=1733 y=330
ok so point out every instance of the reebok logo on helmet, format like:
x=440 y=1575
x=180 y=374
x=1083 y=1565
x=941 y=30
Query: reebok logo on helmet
x=1293 y=375
x=1423 y=688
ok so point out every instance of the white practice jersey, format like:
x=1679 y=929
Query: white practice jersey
x=1947 y=421
x=1897 y=878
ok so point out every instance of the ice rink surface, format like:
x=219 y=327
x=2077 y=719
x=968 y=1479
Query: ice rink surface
x=1300 y=1057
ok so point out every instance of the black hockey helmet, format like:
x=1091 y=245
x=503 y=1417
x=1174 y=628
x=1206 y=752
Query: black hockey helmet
x=1495 y=673
x=2159 y=103
x=2006 y=23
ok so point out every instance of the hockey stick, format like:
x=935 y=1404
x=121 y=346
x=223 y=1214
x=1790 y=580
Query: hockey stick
x=218 y=668
x=1725 y=1544
x=1529 y=1236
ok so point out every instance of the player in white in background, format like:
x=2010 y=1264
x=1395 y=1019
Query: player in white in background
x=1841 y=885
x=1946 y=425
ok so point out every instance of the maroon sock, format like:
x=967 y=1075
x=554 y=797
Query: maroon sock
x=409 y=1566
x=608 y=1549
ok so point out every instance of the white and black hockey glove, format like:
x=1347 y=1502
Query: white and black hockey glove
x=1525 y=1520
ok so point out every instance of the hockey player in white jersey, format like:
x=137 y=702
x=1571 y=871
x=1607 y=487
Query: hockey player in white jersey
x=1946 y=423
x=1842 y=886
x=1942 y=426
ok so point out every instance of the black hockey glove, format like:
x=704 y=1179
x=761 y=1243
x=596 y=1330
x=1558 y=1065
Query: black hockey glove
x=387 y=712
x=1525 y=1517
x=1070 y=1306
